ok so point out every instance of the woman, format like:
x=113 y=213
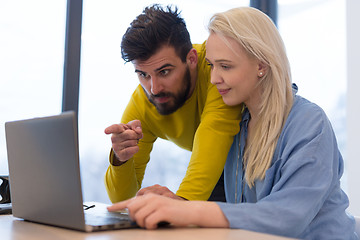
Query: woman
x=282 y=174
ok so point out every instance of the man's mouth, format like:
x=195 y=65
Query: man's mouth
x=161 y=99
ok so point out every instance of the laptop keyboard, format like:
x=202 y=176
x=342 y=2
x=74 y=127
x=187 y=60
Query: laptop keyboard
x=106 y=219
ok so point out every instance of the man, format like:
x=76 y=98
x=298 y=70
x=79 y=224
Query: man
x=175 y=101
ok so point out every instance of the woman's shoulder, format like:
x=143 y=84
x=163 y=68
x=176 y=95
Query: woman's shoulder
x=305 y=111
x=306 y=120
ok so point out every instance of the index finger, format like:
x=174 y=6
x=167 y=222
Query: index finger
x=119 y=206
x=116 y=128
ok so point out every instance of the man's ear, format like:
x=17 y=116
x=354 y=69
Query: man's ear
x=192 y=58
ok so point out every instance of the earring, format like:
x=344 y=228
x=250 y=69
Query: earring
x=260 y=73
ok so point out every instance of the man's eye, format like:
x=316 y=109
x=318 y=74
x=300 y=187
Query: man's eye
x=164 y=72
x=211 y=65
x=143 y=75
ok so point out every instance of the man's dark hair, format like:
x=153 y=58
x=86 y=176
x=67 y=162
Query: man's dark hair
x=154 y=28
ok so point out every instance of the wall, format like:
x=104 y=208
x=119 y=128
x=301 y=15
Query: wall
x=353 y=105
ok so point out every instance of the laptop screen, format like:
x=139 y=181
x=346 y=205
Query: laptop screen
x=44 y=170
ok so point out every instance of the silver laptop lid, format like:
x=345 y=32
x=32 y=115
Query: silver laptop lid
x=44 y=170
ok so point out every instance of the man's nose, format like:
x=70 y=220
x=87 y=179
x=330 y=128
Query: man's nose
x=156 y=86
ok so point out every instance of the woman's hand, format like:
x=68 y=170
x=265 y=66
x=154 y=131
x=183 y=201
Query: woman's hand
x=150 y=209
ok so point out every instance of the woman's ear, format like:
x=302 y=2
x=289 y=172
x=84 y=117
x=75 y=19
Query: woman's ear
x=262 y=69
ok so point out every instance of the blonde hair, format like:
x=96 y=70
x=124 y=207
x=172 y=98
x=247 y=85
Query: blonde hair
x=258 y=35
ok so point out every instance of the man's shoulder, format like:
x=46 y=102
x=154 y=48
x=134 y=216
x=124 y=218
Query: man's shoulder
x=202 y=66
x=200 y=48
x=137 y=105
x=138 y=96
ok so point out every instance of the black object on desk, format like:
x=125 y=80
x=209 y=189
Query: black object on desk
x=5 y=208
x=5 y=190
x=5 y=202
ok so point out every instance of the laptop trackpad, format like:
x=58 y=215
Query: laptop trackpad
x=96 y=214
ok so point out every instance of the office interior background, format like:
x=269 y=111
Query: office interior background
x=320 y=37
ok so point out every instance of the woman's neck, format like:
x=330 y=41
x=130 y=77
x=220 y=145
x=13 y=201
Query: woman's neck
x=254 y=116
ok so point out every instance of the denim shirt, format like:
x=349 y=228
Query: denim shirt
x=300 y=195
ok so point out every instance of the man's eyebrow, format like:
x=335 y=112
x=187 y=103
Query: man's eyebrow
x=158 y=69
x=164 y=66
x=138 y=71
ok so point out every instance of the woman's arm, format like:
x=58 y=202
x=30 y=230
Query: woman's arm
x=150 y=209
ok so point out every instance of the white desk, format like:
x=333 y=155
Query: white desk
x=16 y=229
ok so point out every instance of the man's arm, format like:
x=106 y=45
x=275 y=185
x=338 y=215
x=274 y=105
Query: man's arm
x=125 y=139
x=123 y=181
x=120 y=181
x=212 y=141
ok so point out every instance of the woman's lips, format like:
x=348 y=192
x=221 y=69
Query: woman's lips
x=223 y=91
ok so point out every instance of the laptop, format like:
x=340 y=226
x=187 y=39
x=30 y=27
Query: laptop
x=44 y=175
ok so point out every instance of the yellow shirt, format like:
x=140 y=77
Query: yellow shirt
x=203 y=125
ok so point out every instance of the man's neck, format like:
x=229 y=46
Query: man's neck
x=194 y=76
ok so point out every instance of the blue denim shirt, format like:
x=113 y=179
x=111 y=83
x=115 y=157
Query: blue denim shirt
x=300 y=195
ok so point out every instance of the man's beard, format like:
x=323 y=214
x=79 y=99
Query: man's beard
x=176 y=100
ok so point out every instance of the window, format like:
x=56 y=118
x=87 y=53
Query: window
x=315 y=39
x=31 y=62
x=31 y=71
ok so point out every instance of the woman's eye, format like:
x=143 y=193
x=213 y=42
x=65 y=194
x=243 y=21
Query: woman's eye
x=225 y=67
